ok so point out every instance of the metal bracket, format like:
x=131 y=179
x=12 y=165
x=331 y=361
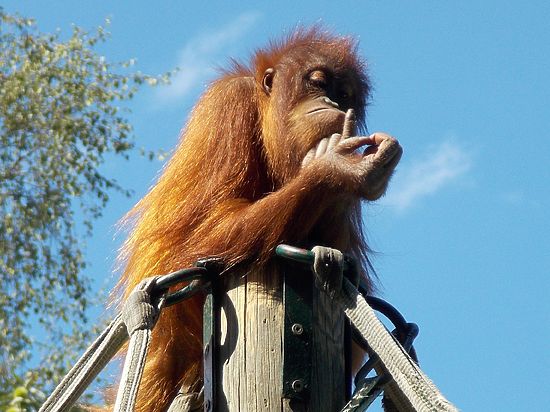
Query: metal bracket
x=370 y=389
x=297 y=341
x=209 y=349
x=210 y=335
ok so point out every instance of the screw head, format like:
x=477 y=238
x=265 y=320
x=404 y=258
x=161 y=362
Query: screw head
x=298 y=385
x=297 y=329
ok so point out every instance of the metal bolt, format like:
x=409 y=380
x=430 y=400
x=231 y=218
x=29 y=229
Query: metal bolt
x=298 y=385
x=297 y=329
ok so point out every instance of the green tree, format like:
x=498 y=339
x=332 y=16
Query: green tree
x=59 y=119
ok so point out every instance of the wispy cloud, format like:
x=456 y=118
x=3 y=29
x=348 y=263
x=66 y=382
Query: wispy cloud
x=519 y=198
x=195 y=58
x=424 y=176
x=515 y=197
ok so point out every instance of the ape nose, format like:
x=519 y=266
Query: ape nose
x=328 y=101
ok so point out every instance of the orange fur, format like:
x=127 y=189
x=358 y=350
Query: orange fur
x=234 y=188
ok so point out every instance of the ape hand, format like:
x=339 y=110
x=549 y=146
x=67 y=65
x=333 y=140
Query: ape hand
x=377 y=165
x=368 y=174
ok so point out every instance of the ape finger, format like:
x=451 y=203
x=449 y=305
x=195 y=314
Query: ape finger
x=379 y=138
x=377 y=172
x=349 y=124
x=309 y=157
x=388 y=150
x=390 y=165
x=353 y=143
x=321 y=147
x=333 y=141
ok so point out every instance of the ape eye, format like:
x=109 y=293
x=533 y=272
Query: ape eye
x=346 y=92
x=318 y=78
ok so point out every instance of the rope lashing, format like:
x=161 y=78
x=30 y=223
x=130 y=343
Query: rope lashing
x=135 y=322
x=409 y=389
x=399 y=375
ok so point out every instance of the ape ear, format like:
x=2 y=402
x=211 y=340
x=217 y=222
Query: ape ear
x=267 y=81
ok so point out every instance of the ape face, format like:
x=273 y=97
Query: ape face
x=325 y=97
x=308 y=93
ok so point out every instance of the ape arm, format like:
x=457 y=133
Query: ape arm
x=334 y=175
x=241 y=229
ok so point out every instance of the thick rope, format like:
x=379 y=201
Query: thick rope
x=86 y=369
x=411 y=389
x=137 y=318
x=187 y=401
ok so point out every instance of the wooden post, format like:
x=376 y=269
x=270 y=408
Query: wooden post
x=251 y=344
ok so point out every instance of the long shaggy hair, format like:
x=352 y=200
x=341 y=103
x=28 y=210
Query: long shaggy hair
x=233 y=155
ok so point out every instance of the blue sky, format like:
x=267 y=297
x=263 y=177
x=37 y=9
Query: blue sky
x=462 y=235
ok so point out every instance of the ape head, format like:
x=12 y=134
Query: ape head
x=307 y=83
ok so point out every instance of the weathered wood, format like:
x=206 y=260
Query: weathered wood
x=249 y=369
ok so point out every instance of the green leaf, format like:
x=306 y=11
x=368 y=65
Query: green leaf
x=62 y=107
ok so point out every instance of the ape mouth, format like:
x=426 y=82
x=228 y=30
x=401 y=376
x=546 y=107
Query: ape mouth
x=323 y=109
